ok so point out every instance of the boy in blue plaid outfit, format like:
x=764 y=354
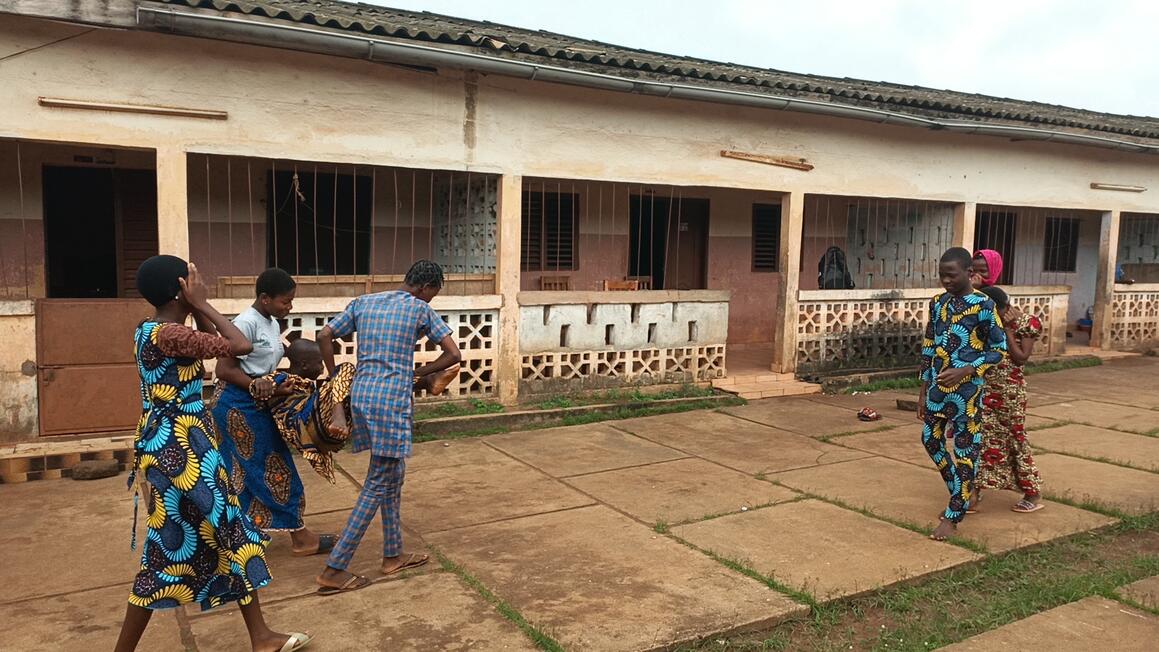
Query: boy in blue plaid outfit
x=389 y=324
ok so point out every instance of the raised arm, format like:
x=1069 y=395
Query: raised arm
x=325 y=339
x=197 y=296
x=450 y=357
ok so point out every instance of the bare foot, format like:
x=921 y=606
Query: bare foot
x=338 y=426
x=946 y=529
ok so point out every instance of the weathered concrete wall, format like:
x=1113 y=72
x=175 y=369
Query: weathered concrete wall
x=602 y=252
x=18 y=415
x=584 y=325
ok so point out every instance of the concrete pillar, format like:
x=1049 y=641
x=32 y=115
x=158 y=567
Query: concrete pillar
x=789 y=263
x=172 y=202
x=965 y=215
x=1105 y=278
x=509 y=228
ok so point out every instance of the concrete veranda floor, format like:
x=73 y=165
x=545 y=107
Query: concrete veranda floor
x=613 y=536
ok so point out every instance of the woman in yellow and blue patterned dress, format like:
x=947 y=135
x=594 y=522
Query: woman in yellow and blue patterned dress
x=199 y=548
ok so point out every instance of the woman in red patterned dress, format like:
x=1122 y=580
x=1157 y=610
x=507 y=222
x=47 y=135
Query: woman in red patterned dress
x=1006 y=461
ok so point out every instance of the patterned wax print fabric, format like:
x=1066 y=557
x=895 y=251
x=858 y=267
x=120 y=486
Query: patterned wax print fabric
x=388 y=325
x=259 y=462
x=963 y=331
x=199 y=547
x=1007 y=461
x=307 y=411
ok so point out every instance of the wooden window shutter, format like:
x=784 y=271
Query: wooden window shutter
x=766 y=237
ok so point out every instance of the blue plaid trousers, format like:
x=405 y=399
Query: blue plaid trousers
x=382 y=491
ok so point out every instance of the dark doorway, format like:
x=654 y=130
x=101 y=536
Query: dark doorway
x=100 y=224
x=320 y=224
x=668 y=241
x=995 y=230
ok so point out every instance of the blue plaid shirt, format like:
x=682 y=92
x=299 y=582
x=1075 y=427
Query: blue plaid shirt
x=389 y=324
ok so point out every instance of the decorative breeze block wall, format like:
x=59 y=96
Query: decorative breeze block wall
x=613 y=342
x=858 y=329
x=476 y=332
x=1134 y=317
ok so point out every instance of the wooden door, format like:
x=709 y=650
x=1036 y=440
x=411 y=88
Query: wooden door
x=688 y=246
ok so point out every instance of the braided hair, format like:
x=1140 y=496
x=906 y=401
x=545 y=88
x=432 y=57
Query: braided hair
x=425 y=273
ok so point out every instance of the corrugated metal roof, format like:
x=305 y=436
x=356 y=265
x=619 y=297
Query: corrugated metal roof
x=504 y=41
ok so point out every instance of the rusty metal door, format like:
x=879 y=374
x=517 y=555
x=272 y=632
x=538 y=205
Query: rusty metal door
x=87 y=378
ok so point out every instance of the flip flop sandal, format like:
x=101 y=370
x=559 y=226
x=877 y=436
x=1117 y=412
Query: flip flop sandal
x=414 y=560
x=353 y=584
x=1026 y=507
x=297 y=641
x=868 y=414
x=325 y=544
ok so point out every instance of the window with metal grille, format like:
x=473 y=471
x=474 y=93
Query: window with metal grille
x=550 y=231
x=766 y=237
x=1062 y=244
x=319 y=223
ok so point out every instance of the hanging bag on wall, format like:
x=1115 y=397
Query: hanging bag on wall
x=832 y=273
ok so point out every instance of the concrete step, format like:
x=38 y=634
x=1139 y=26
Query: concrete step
x=772 y=389
x=751 y=379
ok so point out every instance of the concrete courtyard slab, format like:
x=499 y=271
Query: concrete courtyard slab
x=806 y=416
x=1103 y=415
x=1129 y=490
x=321 y=496
x=447 y=497
x=909 y=494
x=1138 y=451
x=294 y=576
x=426 y=455
x=884 y=402
x=1144 y=592
x=1036 y=422
x=430 y=612
x=737 y=443
x=1089 y=625
x=596 y=580
x=583 y=449
x=823 y=549
x=680 y=490
x=902 y=444
x=85 y=621
x=35 y=527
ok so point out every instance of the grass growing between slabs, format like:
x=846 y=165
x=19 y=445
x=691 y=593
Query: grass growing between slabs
x=971 y=599
x=912 y=382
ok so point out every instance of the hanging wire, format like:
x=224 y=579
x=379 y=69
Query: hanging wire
x=334 y=231
x=249 y=185
x=274 y=209
x=296 y=197
x=373 y=225
x=413 y=200
x=23 y=218
x=229 y=209
x=679 y=221
x=314 y=223
x=354 y=222
x=467 y=223
x=208 y=220
x=394 y=240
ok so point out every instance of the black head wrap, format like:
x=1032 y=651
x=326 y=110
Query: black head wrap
x=157 y=278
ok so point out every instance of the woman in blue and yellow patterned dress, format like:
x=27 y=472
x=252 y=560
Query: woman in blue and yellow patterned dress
x=199 y=548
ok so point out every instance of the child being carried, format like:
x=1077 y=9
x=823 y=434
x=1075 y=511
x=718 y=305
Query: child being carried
x=311 y=415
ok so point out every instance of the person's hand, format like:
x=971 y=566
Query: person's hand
x=975 y=280
x=922 y=408
x=193 y=289
x=951 y=376
x=262 y=388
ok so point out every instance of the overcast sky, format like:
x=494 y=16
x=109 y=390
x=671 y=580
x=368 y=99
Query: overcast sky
x=1100 y=55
